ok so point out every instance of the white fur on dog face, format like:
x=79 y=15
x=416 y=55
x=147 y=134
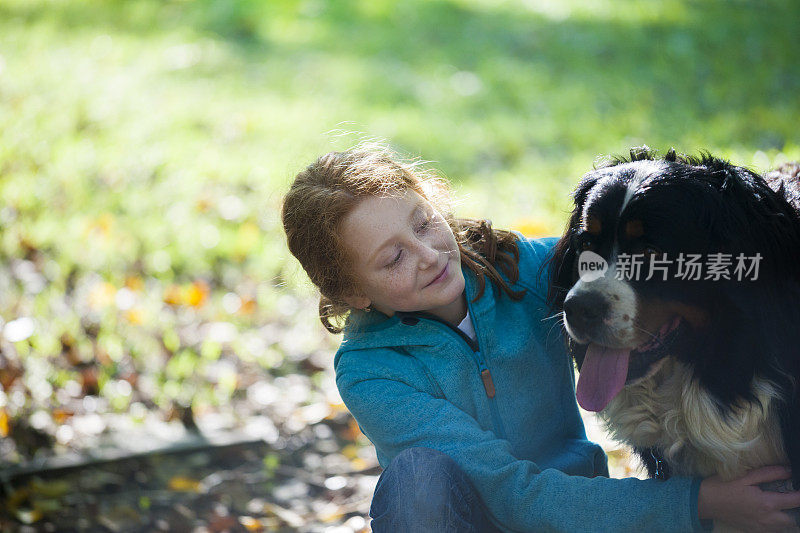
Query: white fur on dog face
x=622 y=310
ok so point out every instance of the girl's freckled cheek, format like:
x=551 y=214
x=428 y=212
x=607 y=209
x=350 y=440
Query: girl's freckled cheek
x=393 y=283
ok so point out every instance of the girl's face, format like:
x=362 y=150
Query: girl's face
x=405 y=257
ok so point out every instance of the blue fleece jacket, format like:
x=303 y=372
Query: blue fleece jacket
x=503 y=408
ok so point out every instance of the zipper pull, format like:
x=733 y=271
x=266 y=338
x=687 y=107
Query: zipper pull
x=488 y=384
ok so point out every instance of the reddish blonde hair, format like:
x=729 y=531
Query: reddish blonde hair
x=326 y=191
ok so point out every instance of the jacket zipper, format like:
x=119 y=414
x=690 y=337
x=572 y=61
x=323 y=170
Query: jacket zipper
x=483 y=369
x=488 y=386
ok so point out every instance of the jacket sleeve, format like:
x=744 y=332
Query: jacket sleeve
x=396 y=415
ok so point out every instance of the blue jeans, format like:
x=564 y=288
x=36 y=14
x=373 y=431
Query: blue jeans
x=425 y=490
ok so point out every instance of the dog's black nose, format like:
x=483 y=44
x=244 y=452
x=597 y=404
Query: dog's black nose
x=585 y=311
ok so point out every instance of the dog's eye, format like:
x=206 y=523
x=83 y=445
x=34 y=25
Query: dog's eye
x=651 y=251
x=587 y=244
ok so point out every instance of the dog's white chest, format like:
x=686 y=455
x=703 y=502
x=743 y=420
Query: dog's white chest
x=670 y=411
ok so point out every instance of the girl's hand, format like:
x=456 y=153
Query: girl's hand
x=742 y=504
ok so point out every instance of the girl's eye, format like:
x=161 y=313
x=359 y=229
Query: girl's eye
x=587 y=244
x=396 y=260
x=427 y=222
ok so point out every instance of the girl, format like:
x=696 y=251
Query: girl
x=453 y=372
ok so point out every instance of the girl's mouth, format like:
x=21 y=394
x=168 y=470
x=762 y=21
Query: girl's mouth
x=442 y=275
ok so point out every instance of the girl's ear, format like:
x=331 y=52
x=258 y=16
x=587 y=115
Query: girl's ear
x=357 y=302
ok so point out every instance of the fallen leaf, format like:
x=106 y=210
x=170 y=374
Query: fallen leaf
x=61 y=415
x=49 y=489
x=134 y=283
x=135 y=316
x=350 y=451
x=184 y=484
x=173 y=295
x=3 y=423
x=251 y=524
x=197 y=294
x=247 y=307
x=28 y=516
x=352 y=431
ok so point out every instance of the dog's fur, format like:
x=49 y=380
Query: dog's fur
x=719 y=393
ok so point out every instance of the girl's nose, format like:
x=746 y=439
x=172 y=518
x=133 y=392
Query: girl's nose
x=428 y=255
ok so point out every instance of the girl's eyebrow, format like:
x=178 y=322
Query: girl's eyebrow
x=391 y=239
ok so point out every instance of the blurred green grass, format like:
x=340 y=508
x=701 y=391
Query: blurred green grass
x=146 y=144
x=143 y=108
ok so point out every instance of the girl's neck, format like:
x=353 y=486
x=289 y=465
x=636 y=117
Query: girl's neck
x=453 y=312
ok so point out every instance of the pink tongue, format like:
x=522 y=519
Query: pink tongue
x=602 y=376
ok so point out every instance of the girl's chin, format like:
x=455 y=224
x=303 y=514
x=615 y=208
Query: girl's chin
x=458 y=279
x=454 y=293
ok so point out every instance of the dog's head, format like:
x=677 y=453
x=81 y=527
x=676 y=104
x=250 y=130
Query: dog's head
x=667 y=257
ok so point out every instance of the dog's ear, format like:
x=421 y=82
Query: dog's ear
x=561 y=264
x=561 y=270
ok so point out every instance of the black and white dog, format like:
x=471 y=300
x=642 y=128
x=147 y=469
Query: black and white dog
x=679 y=282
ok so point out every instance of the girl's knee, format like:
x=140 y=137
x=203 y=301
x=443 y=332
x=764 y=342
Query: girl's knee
x=418 y=459
x=423 y=482
x=425 y=490
x=425 y=468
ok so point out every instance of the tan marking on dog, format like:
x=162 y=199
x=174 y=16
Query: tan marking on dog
x=634 y=229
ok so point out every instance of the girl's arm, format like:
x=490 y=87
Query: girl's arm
x=396 y=415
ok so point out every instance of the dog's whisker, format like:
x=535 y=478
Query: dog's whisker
x=559 y=322
x=559 y=314
x=655 y=337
